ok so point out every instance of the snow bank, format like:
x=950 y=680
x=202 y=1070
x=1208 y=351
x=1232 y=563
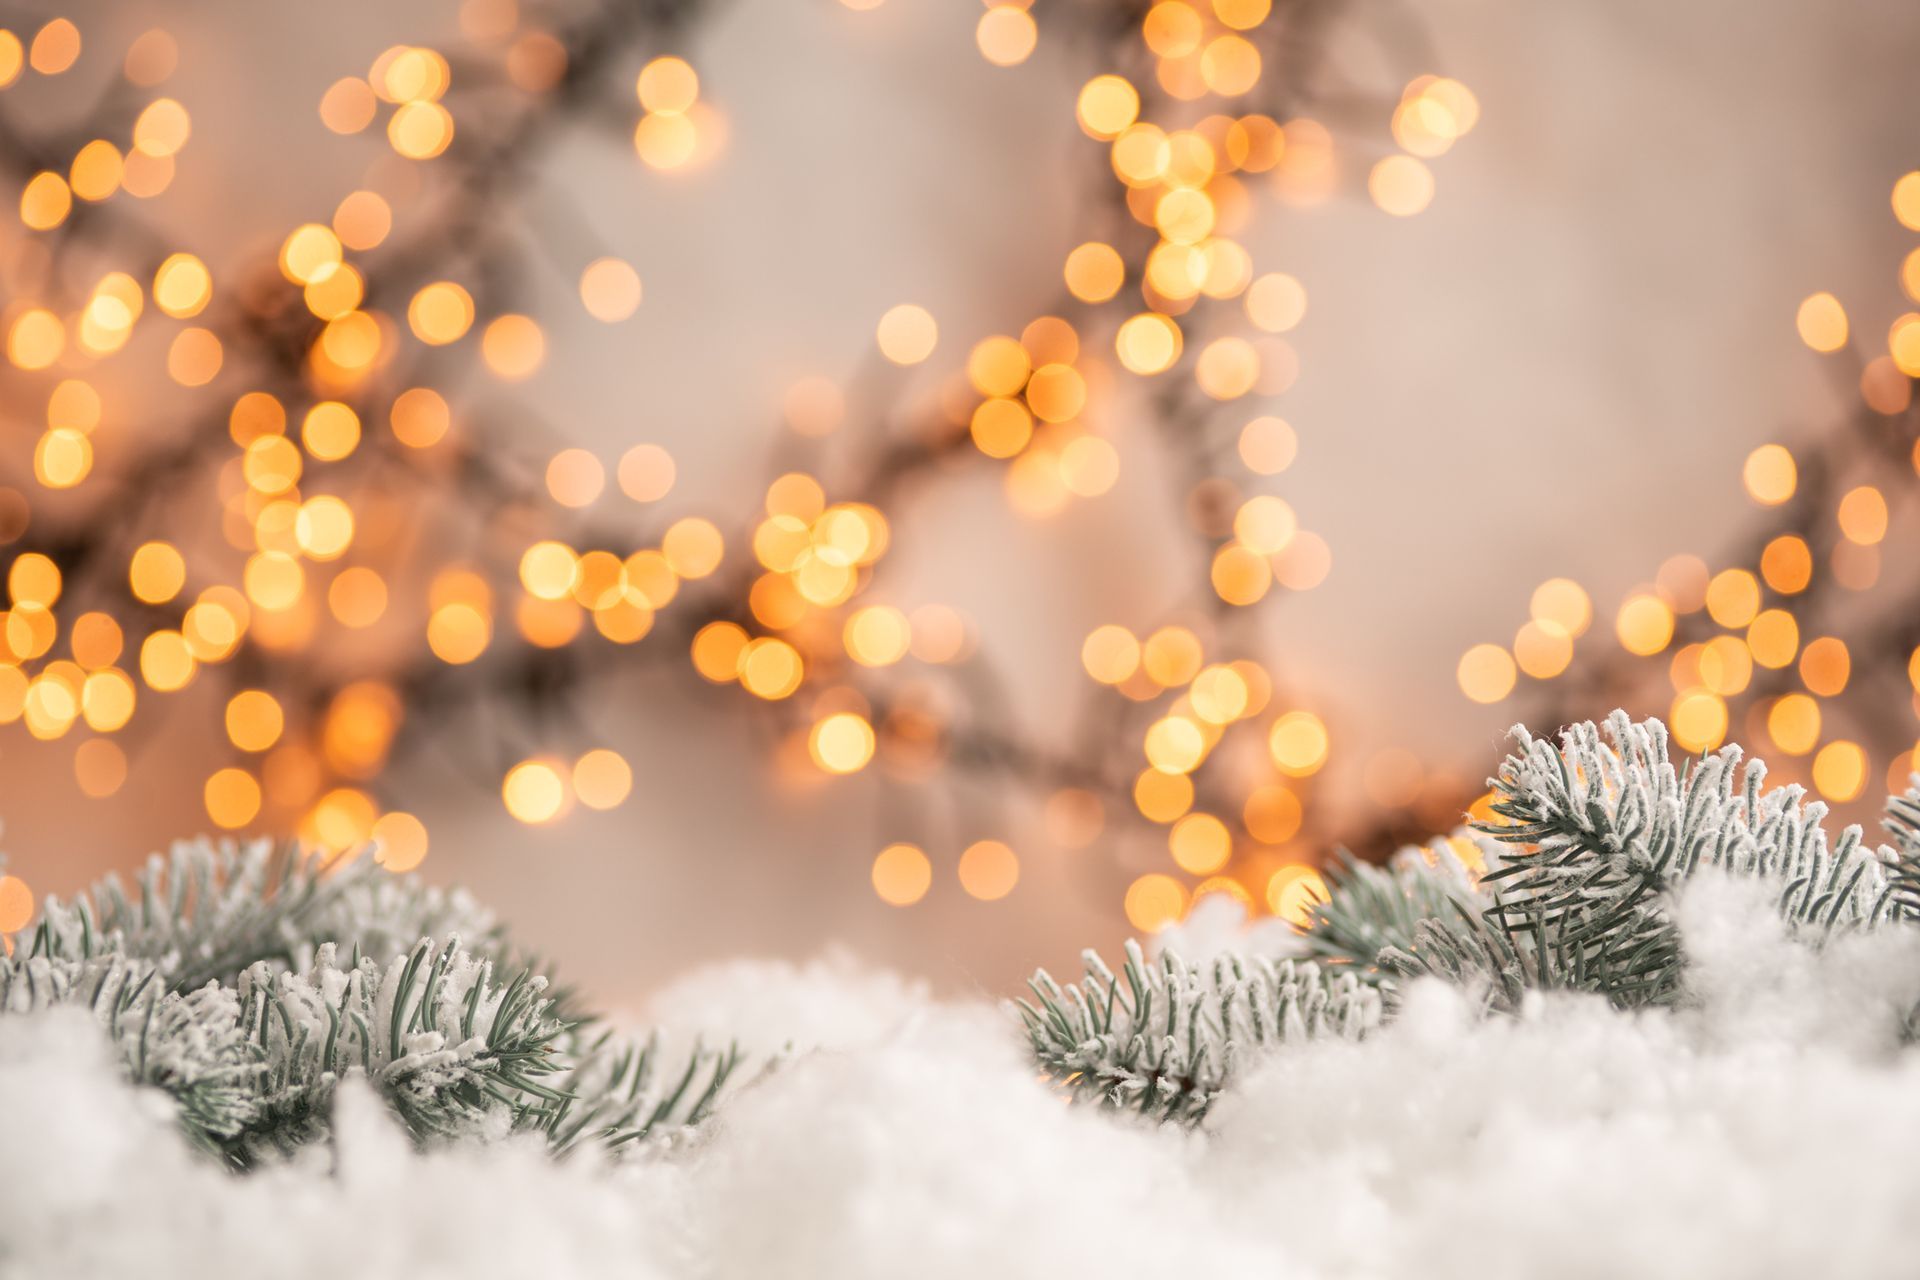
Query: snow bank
x=1765 y=1130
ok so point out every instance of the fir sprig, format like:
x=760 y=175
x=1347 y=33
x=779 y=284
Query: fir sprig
x=1603 y=831
x=206 y=912
x=1162 y=1038
x=1600 y=831
x=447 y=1046
x=189 y=1046
x=616 y=1092
x=1903 y=824
x=247 y=982
x=1370 y=909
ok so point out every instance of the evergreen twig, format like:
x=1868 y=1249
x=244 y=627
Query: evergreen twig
x=248 y=982
x=1599 y=832
x=1163 y=1038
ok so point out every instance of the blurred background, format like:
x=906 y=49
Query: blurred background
x=958 y=483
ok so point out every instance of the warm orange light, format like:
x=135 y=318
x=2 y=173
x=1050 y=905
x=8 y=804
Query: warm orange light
x=610 y=289
x=1644 y=624
x=907 y=334
x=232 y=798
x=1155 y=901
x=1793 y=723
x=1293 y=892
x=901 y=875
x=1486 y=673
x=1095 y=272
x=988 y=870
x=400 y=840
x=534 y=792
x=1162 y=797
x=841 y=743
x=157 y=573
x=1200 y=843
x=254 y=720
x=1006 y=34
x=1298 y=743
x=1822 y=322
x=602 y=779
x=1840 y=771
x=440 y=313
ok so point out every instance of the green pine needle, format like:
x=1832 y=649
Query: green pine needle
x=1164 y=1038
x=247 y=983
x=1600 y=831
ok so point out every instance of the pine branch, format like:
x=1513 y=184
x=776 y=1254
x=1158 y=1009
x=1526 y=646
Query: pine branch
x=448 y=1047
x=1502 y=953
x=1903 y=824
x=1370 y=909
x=206 y=912
x=617 y=1095
x=188 y=1046
x=247 y=982
x=376 y=914
x=1603 y=832
x=1165 y=1040
x=1600 y=833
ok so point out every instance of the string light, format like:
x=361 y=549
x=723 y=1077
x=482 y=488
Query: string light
x=308 y=549
x=988 y=870
x=901 y=875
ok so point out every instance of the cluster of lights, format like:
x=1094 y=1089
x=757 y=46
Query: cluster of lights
x=1211 y=698
x=675 y=128
x=543 y=790
x=308 y=543
x=294 y=526
x=1754 y=642
x=1038 y=397
x=987 y=870
x=1188 y=184
x=813 y=558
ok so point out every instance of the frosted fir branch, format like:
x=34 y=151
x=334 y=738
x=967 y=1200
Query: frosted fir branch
x=1599 y=832
x=1163 y=1038
x=205 y=912
x=1502 y=956
x=188 y=1046
x=1370 y=909
x=286 y=974
x=201 y=912
x=617 y=1094
x=1902 y=822
x=452 y=1051
x=1603 y=831
x=372 y=912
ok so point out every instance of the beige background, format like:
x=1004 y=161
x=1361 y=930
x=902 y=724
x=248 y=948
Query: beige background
x=1554 y=370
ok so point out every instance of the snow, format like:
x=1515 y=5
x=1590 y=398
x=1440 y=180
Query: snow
x=1764 y=1128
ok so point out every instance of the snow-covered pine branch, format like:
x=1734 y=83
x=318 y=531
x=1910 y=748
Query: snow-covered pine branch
x=188 y=1046
x=247 y=983
x=1903 y=824
x=616 y=1091
x=1602 y=831
x=445 y=1044
x=1163 y=1038
x=205 y=912
x=1372 y=908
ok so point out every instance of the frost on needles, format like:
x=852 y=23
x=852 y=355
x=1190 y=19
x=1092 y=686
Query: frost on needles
x=1601 y=832
x=1592 y=837
x=248 y=982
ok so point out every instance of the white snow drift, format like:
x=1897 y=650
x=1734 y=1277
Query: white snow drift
x=1767 y=1128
